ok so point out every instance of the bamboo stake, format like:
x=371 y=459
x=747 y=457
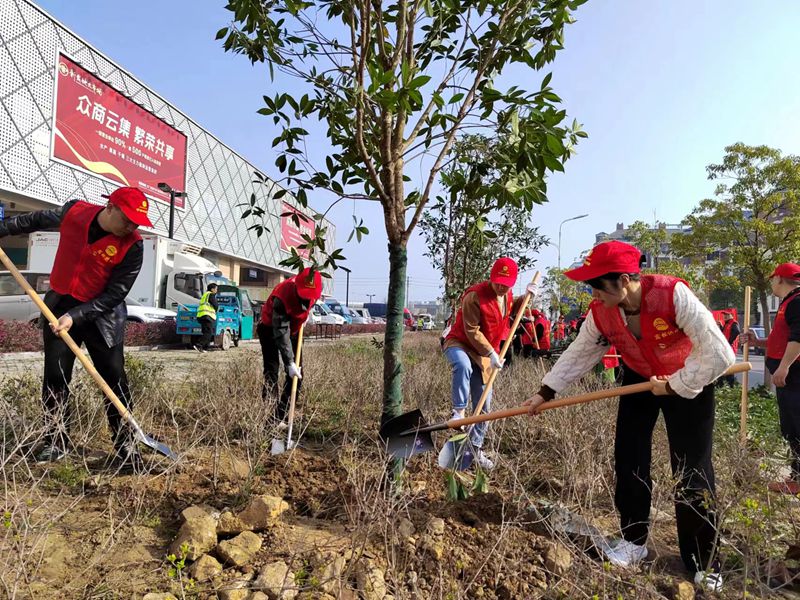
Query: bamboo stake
x=745 y=374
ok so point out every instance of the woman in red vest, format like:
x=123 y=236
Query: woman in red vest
x=536 y=330
x=783 y=362
x=664 y=334
x=286 y=309
x=474 y=340
x=560 y=330
x=98 y=259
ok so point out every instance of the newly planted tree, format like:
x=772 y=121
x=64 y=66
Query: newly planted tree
x=464 y=233
x=393 y=85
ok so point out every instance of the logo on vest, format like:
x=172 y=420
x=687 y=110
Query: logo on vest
x=660 y=324
x=111 y=251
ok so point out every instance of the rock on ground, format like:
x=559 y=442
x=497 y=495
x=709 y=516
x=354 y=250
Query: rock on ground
x=557 y=559
x=262 y=512
x=328 y=569
x=369 y=578
x=230 y=524
x=206 y=567
x=199 y=533
x=684 y=591
x=240 y=550
x=276 y=580
x=159 y=596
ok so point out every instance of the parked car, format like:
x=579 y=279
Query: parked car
x=761 y=335
x=364 y=313
x=424 y=322
x=15 y=304
x=355 y=318
x=139 y=313
x=322 y=315
x=338 y=308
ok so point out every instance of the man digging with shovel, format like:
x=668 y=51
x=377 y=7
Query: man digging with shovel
x=665 y=334
x=474 y=340
x=98 y=259
x=282 y=316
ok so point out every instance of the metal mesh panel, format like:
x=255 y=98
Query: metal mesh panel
x=217 y=179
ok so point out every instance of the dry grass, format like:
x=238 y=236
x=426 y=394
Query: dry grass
x=74 y=530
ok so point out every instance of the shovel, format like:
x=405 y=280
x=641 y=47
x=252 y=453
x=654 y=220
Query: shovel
x=278 y=447
x=407 y=435
x=452 y=448
x=87 y=364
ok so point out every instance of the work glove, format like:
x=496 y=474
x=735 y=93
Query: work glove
x=496 y=362
x=294 y=371
x=532 y=288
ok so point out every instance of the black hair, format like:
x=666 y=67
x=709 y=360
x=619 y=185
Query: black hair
x=210 y=286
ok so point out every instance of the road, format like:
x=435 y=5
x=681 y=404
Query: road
x=757 y=374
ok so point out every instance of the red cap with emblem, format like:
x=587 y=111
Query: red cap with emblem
x=309 y=287
x=504 y=272
x=787 y=270
x=608 y=257
x=132 y=202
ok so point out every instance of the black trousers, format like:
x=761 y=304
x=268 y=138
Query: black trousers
x=208 y=325
x=272 y=362
x=789 y=415
x=58 y=364
x=690 y=426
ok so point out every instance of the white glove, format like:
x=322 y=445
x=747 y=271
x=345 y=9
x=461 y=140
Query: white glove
x=294 y=371
x=496 y=362
x=532 y=288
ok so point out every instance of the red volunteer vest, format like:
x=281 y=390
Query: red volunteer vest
x=779 y=335
x=726 y=331
x=560 y=327
x=529 y=340
x=663 y=347
x=81 y=269
x=610 y=360
x=287 y=292
x=494 y=325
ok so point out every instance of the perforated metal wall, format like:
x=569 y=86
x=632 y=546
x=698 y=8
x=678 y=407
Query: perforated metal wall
x=217 y=178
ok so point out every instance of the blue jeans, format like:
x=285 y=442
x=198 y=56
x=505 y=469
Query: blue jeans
x=468 y=381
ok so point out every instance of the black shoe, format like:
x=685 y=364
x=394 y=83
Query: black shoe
x=200 y=349
x=127 y=460
x=51 y=453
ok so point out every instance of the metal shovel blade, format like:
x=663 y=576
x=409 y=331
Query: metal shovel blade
x=279 y=446
x=159 y=447
x=457 y=453
x=402 y=438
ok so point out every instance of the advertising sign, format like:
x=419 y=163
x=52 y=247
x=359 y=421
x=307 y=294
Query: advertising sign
x=98 y=130
x=291 y=234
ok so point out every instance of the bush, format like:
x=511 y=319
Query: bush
x=20 y=336
x=763 y=427
x=150 y=334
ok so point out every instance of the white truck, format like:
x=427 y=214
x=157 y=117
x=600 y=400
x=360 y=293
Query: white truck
x=172 y=274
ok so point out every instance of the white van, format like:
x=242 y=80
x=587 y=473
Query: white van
x=15 y=304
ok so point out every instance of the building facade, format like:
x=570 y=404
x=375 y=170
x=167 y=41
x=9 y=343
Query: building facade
x=113 y=130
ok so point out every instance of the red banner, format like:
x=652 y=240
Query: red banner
x=100 y=131
x=291 y=234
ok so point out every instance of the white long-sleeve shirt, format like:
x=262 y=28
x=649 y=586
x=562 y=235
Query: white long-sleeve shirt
x=710 y=357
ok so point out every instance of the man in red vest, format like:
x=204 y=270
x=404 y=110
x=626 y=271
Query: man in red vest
x=666 y=335
x=730 y=329
x=98 y=259
x=474 y=340
x=286 y=309
x=536 y=330
x=783 y=362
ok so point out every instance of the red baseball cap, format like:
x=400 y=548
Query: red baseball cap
x=504 y=272
x=787 y=270
x=608 y=257
x=309 y=287
x=132 y=202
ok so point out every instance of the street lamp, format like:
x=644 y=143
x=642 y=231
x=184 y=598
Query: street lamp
x=347 y=293
x=559 y=235
x=559 y=256
x=167 y=188
x=370 y=296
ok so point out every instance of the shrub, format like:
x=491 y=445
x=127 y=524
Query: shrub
x=20 y=336
x=150 y=334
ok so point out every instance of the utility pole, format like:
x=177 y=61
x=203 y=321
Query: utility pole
x=408 y=279
x=370 y=296
x=347 y=292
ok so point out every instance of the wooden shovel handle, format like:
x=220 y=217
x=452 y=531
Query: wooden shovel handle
x=295 y=380
x=625 y=390
x=517 y=318
x=87 y=364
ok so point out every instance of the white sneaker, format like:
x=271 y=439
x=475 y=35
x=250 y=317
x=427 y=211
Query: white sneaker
x=626 y=554
x=710 y=581
x=484 y=461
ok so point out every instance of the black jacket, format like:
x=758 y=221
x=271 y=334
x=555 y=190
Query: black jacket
x=107 y=310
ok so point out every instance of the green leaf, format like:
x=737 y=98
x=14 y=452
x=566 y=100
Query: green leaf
x=221 y=33
x=419 y=81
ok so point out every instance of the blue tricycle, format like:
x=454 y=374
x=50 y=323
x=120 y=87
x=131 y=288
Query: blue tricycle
x=228 y=323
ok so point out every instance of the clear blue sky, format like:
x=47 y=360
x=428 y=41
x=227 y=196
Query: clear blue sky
x=661 y=88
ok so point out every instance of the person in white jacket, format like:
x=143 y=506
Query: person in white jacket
x=664 y=334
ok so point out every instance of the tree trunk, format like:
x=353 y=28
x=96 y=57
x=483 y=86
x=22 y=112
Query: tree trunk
x=393 y=339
